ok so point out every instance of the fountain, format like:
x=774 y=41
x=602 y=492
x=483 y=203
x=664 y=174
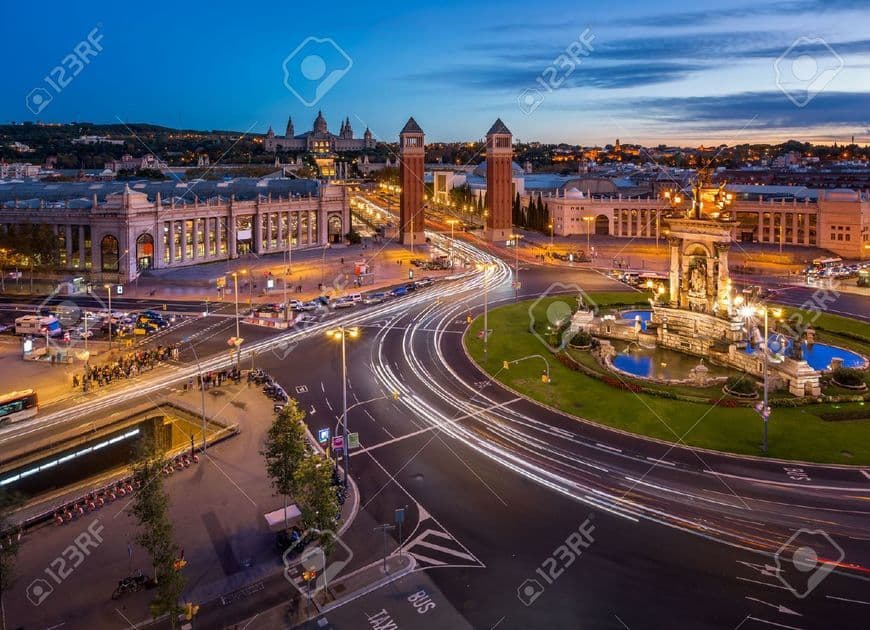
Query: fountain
x=700 y=318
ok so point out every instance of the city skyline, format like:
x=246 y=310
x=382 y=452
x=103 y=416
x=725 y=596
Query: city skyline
x=670 y=76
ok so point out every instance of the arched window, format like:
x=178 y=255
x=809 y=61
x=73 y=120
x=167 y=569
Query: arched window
x=335 y=229
x=109 y=253
x=144 y=252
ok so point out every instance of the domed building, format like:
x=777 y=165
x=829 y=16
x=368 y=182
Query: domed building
x=319 y=140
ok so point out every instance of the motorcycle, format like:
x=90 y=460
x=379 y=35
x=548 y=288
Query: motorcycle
x=130 y=584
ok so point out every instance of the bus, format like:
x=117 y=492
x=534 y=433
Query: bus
x=38 y=325
x=18 y=406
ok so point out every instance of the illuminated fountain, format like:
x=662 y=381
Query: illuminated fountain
x=701 y=318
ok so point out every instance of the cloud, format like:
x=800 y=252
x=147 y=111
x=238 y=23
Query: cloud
x=759 y=110
x=519 y=77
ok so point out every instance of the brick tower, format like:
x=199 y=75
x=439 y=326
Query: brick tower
x=411 y=156
x=499 y=187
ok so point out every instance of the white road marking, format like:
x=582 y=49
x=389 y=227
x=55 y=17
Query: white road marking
x=846 y=599
x=773 y=623
x=661 y=461
x=768 y=584
x=866 y=473
x=784 y=483
x=328 y=403
x=609 y=448
x=784 y=610
x=446 y=550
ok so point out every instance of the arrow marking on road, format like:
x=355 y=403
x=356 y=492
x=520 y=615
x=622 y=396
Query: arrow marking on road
x=779 y=607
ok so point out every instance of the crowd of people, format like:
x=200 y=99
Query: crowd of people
x=126 y=366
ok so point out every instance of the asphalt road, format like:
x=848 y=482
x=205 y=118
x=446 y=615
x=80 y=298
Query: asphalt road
x=525 y=518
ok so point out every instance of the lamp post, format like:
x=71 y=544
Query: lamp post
x=764 y=408
x=588 y=221
x=451 y=223
x=516 y=239
x=551 y=235
x=485 y=267
x=238 y=332
x=108 y=288
x=341 y=333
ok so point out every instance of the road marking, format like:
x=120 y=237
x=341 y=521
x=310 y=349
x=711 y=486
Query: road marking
x=434 y=426
x=661 y=461
x=784 y=483
x=322 y=387
x=312 y=411
x=328 y=404
x=866 y=473
x=779 y=607
x=609 y=448
x=773 y=623
x=301 y=389
x=846 y=599
x=447 y=550
x=768 y=584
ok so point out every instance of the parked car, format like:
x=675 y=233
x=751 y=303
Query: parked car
x=356 y=297
x=424 y=282
x=344 y=303
x=399 y=292
x=79 y=333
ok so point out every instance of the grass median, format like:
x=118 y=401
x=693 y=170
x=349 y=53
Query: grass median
x=797 y=433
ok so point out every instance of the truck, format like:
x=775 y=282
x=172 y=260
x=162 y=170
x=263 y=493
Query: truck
x=38 y=325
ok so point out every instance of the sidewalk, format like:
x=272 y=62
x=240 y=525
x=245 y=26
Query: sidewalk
x=339 y=592
x=217 y=509
x=332 y=267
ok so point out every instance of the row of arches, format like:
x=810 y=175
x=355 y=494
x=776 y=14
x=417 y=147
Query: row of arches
x=110 y=253
x=110 y=247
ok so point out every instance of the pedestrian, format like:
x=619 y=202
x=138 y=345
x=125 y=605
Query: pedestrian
x=75 y=381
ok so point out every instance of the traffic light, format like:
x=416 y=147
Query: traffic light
x=190 y=610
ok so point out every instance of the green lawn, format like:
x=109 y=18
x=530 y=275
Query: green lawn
x=795 y=433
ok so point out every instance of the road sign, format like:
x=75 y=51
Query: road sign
x=323 y=435
x=337 y=443
x=119 y=289
x=399 y=515
x=353 y=440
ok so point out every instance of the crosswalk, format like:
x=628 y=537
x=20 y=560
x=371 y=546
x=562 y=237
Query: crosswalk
x=433 y=547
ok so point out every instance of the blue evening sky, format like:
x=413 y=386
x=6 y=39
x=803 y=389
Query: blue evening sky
x=658 y=72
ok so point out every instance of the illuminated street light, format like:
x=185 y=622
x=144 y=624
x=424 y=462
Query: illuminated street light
x=340 y=334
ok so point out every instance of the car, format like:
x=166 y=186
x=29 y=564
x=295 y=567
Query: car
x=343 y=303
x=296 y=305
x=424 y=282
x=411 y=286
x=311 y=306
x=399 y=292
x=79 y=333
x=356 y=297
x=374 y=298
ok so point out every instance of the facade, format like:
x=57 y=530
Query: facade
x=127 y=232
x=499 y=188
x=412 y=156
x=838 y=220
x=319 y=139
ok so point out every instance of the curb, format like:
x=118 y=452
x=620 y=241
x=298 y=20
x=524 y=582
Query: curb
x=365 y=590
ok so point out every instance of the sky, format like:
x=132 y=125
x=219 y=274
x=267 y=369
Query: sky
x=665 y=72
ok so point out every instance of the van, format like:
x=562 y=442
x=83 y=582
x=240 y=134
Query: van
x=38 y=325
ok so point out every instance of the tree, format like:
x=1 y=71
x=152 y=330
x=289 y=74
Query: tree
x=315 y=494
x=151 y=510
x=9 y=535
x=285 y=450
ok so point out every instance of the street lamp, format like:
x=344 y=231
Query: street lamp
x=238 y=337
x=340 y=334
x=516 y=239
x=551 y=235
x=748 y=312
x=485 y=267
x=452 y=223
x=108 y=288
x=588 y=221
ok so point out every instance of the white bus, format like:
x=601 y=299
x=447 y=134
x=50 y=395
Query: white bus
x=18 y=406
x=38 y=325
